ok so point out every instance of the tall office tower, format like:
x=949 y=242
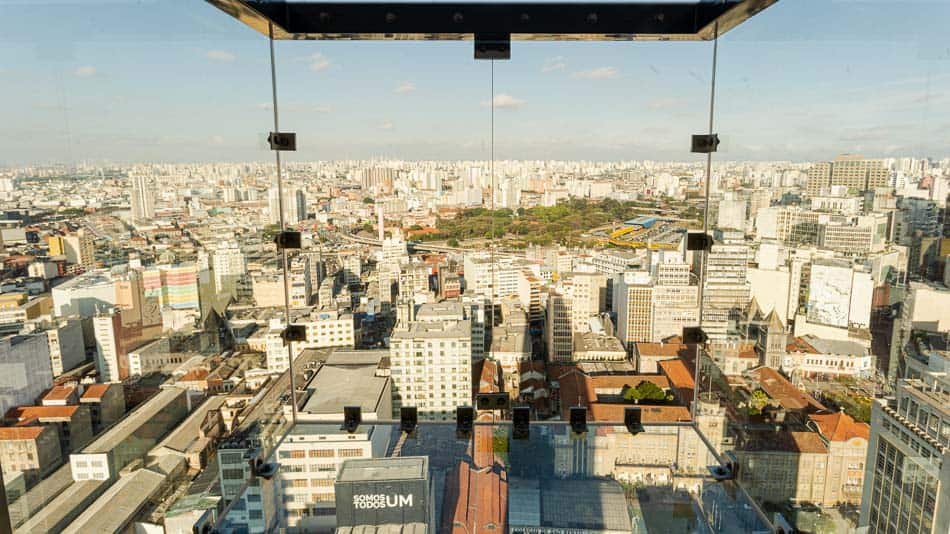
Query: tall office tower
x=557 y=327
x=727 y=288
x=229 y=268
x=675 y=300
x=108 y=360
x=849 y=170
x=432 y=361
x=295 y=205
x=393 y=253
x=633 y=303
x=143 y=204
x=588 y=295
x=79 y=249
x=907 y=472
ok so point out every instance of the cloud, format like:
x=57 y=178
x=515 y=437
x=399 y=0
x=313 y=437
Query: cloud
x=385 y=125
x=504 y=101
x=405 y=87
x=86 y=71
x=220 y=55
x=318 y=62
x=602 y=73
x=554 y=63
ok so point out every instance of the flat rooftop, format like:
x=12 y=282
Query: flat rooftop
x=381 y=469
x=337 y=386
x=599 y=342
x=357 y=357
x=585 y=504
x=436 y=330
x=119 y=504
x=182 y=437
x=141 y=415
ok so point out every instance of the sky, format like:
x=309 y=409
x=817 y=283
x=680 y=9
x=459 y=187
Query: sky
x=179 y=81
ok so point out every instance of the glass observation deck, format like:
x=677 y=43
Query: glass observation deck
x=474 y=267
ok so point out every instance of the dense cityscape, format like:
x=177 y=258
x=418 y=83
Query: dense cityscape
x=147 y=356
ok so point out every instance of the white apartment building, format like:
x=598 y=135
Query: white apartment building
x=431 y=363
x=310 y=458
x=107 y=356
x=229 y=267
x=633 y=303
x=480 y=270
x=815 y=356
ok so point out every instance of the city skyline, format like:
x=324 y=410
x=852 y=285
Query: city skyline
x=198 y=90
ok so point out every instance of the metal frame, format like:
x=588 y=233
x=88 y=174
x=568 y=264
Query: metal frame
x=545 y=20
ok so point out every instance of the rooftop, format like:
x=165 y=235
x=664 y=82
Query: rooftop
x=336 y=386
x=778 y=388
x=380 y=469
x=141 y=415
x=839 y=426
x=21 y=432
x=436 y=330
x=115 y=508
x=96 y=391
x=58 y=393
x=356 y=357
x=591 y=504
x=599 y=342
x=834 y=346
x=22 y=413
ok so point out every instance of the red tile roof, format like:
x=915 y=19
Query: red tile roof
x=95 y=391
x=579 y=389
x=22 y=413
x=21 y=432
x=59 y=393
x=839 y=426
x=778 y=388
x=476 y=501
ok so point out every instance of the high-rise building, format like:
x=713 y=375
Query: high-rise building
x=143 y=205
x=229 y=268
x=907 y=472
x=26 y=369
x=557 y=327
x=295 y=206
x=432 y=361
x=633 y=303
x=849 y=170
x=80 y=249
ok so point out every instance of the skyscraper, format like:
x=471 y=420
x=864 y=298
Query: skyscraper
x=907 y=472
x=849 y=170
x=143 y=205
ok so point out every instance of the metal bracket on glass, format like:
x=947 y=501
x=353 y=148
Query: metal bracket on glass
x=260 y=468
x=464 y=421
x=705 y=143
x=283 y=141
x=722 y=473
x=521 y=422
x=696 y=241
x=631 y=420
x=578 y=419
x=288 y=239
x=352 y=417
x=408 y=419
x=492 y=401
x=294 y=332
x=693 y=335
x=492 y=46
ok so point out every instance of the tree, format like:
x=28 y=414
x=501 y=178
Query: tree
x=645 y=390
x=453 y=242
x=368 y=200
x=758 y=401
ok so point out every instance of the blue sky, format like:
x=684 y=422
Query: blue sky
x=176 y=80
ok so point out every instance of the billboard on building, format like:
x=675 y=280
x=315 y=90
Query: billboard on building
x=829 y=294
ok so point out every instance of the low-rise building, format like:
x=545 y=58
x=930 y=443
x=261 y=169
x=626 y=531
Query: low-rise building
x=106 y=404
x=597 y=347
x=73 y=423
x=813 y=356
x=32 y=450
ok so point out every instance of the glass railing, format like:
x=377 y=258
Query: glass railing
x=318 y=477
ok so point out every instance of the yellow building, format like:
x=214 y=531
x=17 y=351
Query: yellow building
x=57 y=246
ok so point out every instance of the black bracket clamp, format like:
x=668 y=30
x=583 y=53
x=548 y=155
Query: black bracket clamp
x=492 y=46
x=283 y=141
x=705 y=143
